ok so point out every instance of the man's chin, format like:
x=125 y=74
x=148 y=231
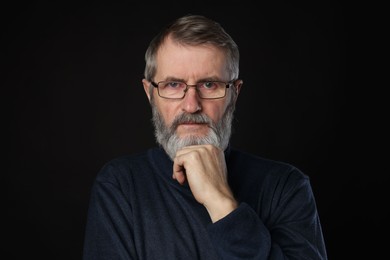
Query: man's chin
x=197 y=139
x=191 y=139
x=189 y=136
x=176 y=142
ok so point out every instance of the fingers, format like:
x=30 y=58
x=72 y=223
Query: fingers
x=200 y=163
x=179 y=172
x=183 y=159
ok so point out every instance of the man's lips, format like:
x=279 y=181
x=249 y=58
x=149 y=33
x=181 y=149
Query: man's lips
x=192 y=125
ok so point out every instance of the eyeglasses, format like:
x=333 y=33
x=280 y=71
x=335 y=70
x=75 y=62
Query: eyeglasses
x=178 y=89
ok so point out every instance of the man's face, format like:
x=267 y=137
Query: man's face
x=201 y=120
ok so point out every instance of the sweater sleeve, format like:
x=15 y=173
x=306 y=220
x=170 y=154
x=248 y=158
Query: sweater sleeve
x=240 y=235
x=292 y=230
x=108 y=233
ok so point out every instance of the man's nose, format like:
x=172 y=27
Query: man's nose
x=191 y=102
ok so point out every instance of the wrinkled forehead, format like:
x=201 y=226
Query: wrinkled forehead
x=175 y=59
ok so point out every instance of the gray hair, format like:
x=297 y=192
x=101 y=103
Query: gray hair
x=194 y=30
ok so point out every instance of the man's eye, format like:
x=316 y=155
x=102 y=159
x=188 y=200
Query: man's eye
x=173 y=84
x=209 y=85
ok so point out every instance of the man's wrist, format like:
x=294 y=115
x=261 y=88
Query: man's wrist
x=219 y=209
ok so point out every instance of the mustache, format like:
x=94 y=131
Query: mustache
x=193 y=118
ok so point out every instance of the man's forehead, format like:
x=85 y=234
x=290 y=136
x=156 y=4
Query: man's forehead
x=195 y=62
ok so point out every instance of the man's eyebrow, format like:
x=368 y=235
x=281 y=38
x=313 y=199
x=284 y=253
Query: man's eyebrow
x=210 y=79
x=174 y=79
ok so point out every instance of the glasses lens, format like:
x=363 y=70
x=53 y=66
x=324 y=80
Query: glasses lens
x=212 y=89
x=171 y=89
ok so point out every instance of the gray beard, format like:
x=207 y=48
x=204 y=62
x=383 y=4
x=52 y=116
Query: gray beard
x=219 y=133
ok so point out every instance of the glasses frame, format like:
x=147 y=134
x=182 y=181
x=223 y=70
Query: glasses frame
x=227 y=85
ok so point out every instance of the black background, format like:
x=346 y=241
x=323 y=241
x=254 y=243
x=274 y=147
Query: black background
x=73 y=99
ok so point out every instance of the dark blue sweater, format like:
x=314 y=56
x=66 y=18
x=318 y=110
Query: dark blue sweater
x=137 y=211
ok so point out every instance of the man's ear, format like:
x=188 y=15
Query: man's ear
x=237 y=87
x=146 y=84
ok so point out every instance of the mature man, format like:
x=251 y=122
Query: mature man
x=195 y=197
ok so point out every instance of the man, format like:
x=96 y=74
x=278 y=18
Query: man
x=195 y=197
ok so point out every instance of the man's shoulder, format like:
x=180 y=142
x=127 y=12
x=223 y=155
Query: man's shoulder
x=255 y=163
x=124 y=165
x=247 y=157
x=128 y=159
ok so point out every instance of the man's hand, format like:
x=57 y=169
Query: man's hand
x=204 y=167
